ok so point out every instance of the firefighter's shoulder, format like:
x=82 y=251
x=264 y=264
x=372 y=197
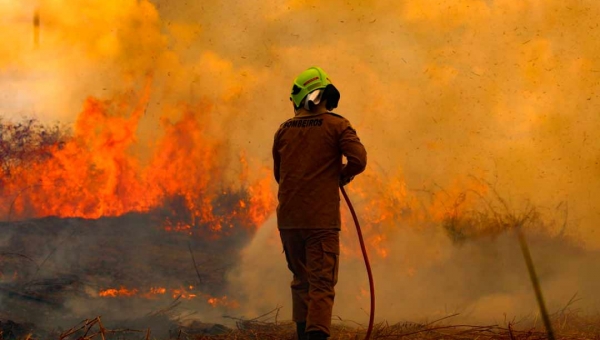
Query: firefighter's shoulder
x=340 y=119
x=284 y=123
x=335 y=114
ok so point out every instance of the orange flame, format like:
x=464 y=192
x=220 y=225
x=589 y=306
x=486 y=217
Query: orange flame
x=122 y=291
x=96 y=173
x=385 y=205
x=181 y=293
x=222 y=301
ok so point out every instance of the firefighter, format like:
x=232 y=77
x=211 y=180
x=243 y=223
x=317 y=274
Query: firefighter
x=308 y=166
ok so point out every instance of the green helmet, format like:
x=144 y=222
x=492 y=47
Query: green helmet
x=312 y=79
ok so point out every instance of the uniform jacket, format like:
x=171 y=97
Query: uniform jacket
x=307 y=155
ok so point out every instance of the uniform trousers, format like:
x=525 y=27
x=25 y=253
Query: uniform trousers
x=313 y=258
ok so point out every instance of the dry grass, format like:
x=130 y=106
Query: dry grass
x=578 y=328
x=285 y=331
x=568 y=324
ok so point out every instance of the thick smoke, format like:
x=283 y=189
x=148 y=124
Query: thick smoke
x=438 y=90
x=426 y=276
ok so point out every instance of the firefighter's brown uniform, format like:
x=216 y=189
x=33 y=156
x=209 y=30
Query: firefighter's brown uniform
x=307 y=154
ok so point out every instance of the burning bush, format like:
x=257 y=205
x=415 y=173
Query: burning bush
x=98 y=170
x=27 y=142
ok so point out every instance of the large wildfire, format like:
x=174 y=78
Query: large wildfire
x=93 y=174
x=135 y=150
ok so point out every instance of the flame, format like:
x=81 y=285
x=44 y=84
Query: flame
x=177 y=226
x=186 y=293
x=157 y=291
x=384 y=205
x=113 y=292
x=183 y=293
x=222 y=301
x=95 y=172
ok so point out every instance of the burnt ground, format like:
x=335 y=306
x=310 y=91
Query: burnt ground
x=53 y=268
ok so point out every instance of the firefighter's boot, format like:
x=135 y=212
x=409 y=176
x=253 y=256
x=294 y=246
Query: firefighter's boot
x=301 y=330
x=317 y=335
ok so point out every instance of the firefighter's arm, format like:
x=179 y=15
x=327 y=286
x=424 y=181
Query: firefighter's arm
x=355 y=153
x=276 y=159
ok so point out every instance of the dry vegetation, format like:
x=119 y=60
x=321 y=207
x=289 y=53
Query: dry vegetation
x=26 y=142
x=568 y=325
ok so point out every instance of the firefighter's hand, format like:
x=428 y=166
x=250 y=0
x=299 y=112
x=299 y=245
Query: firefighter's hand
x=345 y=180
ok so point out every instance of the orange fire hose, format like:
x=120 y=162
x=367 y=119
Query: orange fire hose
x=367 y=264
